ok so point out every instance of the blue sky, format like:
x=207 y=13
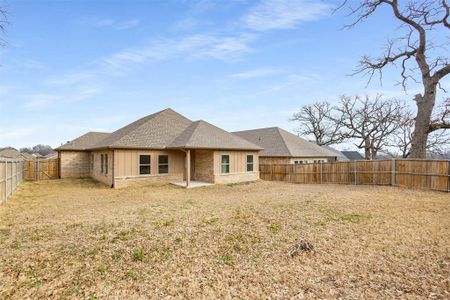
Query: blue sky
x=77 y=66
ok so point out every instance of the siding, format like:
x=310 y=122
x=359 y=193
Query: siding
x=126 y=167
x=238 y=167
x=74 y=164
x=96 y=172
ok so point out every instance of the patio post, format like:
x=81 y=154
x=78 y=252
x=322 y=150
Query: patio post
x=188 y=168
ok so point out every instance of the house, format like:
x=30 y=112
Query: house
x=282 y=147
x=51 y=155
x=353 y=155
x=161 y=148
x=339 y=155
x=11 y=153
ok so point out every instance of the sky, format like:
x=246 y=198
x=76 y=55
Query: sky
x=70 y=67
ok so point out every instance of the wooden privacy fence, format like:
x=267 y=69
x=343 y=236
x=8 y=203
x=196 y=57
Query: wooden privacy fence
x=42 y=169
x=421 y=174
x=11 y=175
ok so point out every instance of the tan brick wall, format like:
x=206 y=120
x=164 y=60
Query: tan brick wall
x=74 y=164
x=147 y=180
x=204 y=166
x=96 y=167
x=236 y=177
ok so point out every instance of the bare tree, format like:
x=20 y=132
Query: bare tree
x=415 y=52
x=438 y=140
x=317 y=120
x=369 y=121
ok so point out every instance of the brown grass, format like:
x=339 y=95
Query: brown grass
x=79 y=239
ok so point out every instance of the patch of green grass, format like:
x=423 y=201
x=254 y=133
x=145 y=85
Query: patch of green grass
x=164 y=223
x=138 y=254
x=275 y=228
x=117 y=255
x=102 y=269
x=226 y=259
x=256 y=257
x=355 y=218
x=15 y=244
x=31 y=273
x=133 y=274
x=320 y=223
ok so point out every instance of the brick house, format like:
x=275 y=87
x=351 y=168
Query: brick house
x=161 y=148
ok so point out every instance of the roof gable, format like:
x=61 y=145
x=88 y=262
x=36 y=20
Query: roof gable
x=201 y=134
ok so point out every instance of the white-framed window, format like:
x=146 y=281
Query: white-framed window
x=250 y=163
x=145 y=164
x=298 y=162
x=163 y=164
x=225 y=164
x=102 y=162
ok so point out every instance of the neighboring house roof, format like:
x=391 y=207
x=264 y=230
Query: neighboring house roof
x=353 y=155
x=340 y=156
x=280 y=143
x=201 y=134
x=50 y=155
x=10 y=154
x=85 y=141
x=27 y=156
x=162 y=130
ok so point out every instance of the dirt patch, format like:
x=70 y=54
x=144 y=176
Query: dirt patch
x=80 y=239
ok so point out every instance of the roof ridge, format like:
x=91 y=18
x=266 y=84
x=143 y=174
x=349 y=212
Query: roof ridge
x=284 y=140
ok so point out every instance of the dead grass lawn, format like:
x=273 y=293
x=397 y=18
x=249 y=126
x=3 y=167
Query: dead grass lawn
x=79 y=239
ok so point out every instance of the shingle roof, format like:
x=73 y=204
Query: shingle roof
x=85 y=141
x=353 y=155
x=162 y=130
x=154 y=131
x=280 y=143
x=340 y=156
x=201 y=134
x=10 y=153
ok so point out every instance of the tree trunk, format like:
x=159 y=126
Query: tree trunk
x=425 y=106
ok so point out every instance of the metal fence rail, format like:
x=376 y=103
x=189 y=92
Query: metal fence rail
x=12 y=174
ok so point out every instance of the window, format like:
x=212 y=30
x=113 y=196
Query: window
x=92 y=162
x=249 y=163
x=106 y=164
x=163 y=164
x=101 y=164
x=144 y=164
x=225 y=166
x=298 y=162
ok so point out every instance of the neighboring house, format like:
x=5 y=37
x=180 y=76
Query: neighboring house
x=10 y=153
x=282 y=147
x=161 y=148
x=51 y=155
x=353 y=155
x=339 y=155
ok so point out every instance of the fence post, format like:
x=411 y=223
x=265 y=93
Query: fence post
x=321 y=171
x=393 y=172
x=6 y=181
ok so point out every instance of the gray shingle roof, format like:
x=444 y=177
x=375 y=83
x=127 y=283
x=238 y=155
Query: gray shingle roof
x=353 y=155
x=280 y=143
x=154 y=131
x=340 y=156
x=85 y=141
x=162 y=130
x=201 y=134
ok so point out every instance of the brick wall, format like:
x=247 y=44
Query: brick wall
x=204 y=166
x=236 y=177
x=74 y=164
